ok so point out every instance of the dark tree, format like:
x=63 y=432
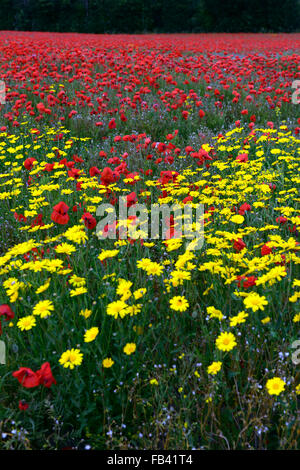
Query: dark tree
x=137 y=16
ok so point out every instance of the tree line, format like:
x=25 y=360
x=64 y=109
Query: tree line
x=158 y=16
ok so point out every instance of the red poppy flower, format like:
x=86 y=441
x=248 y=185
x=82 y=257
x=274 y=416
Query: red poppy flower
x=19 y=217
x=74 y=173
x=294 y=230
x=23 y=406
x=41 y=107
x=110 y=229
x=244 y=207
x=45 y=375
x=185 y=114
x=239 y=245
x=48 y=167
x=29 y=163
x=243 y=157
x=77 y=159
x=7 y=312
x=89 y=221
x=187 y=199
x=167 y=176
x=38 y=221
x=281 y=220
x=26 y=377
x=250 y=282
x=161 y=147
x=112 y=124
x=131 y=199
x=94 y=171
x=169 y=159
x=60 y=213
x=246 y=282
x=107 y=176
x=189 y=149
x=265 y=250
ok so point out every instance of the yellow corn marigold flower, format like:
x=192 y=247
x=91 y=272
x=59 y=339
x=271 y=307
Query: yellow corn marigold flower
x=77 y=281
x=143 y=263
x=255 y=302
x=26 y=323
x=43 y=308
x=76 y=234
x=129 y=348
x=181 y=276
x=133 y=309
x=78 y=291
x=107 y=362
x=139 y=293
x=237 y=219
x=226 y=341
x=65 y=248
x=43 y=287
x=107 y=254
x=296 y=318
x=298 y=389
x=275 y=386
x=71 y=358
x=154 y=269
x=179 y=303
x=266 y=320
x=123 y=289
x=214 y=313
x=173 y=244
x=153 y=382
x=117 y=308
x=85 y=313
x=91 y=334
x=239 y=318
x=294 y=297
x=124 y=286
x=214 y=368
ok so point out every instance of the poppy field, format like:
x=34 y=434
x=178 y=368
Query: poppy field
x=134 y=342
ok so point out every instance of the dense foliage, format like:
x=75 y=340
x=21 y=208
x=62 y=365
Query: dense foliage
x=130 y=16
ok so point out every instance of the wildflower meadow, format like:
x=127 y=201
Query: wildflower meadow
x=114 y=336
